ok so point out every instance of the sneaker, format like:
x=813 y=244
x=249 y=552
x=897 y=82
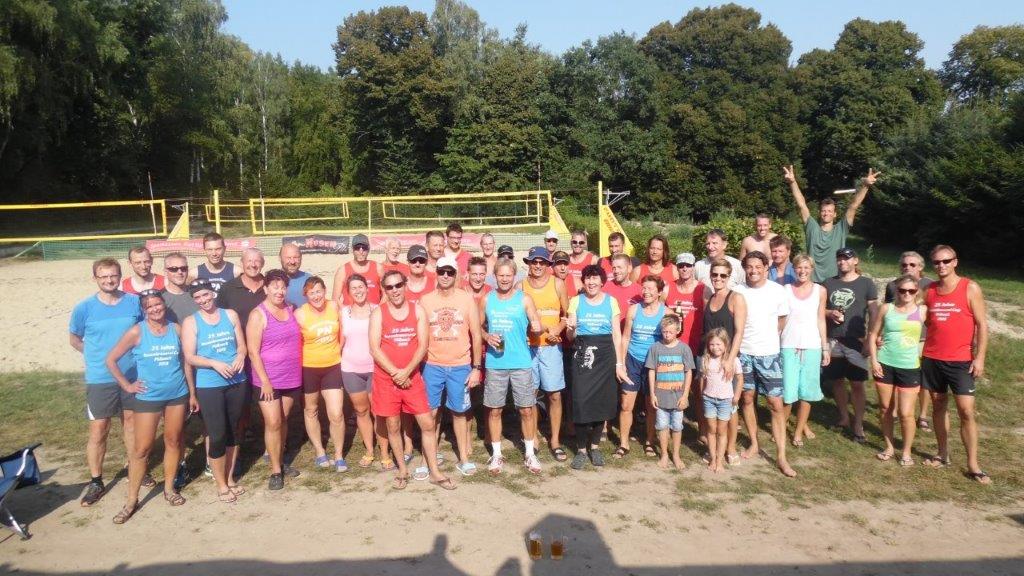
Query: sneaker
x=495 y=464
x=93 y=492
x=290 y=472
x=208 y=472
x=276 y=482
x=322 y=461
x=596 y=458
x=579 y=460
x=340 y=465
x=532 y=464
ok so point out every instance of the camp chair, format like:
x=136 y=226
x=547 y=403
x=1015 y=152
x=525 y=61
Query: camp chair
x=16 y=470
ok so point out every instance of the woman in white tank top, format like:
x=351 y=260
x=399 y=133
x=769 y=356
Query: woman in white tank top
x=804 y=349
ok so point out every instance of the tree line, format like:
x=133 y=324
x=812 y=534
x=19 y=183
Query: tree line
x=102 y=98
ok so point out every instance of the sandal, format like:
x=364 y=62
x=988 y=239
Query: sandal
x=421 y=473
x=174 y=498
x=908 y=461
x=466 y=468
x=227 y=496
x=559 y=454
x=733 y=459
x=924 y=424
x=322 y=461
x=445 y=483
x=366 y=461
x=147 y=481
x=125 y=513
x=937 y=461
x=649 y=450
x=798 y=443
x=884 y=456
x=400 y=482
x=236 y=490
x=620 y=452
x=387 y=466
x=979 y=477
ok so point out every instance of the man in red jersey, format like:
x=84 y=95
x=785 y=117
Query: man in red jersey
x=621 y=287
x=362 y=265
x=954 y=356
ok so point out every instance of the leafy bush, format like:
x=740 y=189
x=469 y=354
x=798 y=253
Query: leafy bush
x=736 y=229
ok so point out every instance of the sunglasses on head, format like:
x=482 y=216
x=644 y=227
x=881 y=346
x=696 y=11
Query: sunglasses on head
x=395 y=286
x=907 y=290
x=149 y=292
x=176 y=268
x=201 y=283
x=943 y=261
x=720 y=275
x=418 y=261
x=447 y=272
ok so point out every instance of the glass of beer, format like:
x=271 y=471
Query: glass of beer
x=557 y=546
x=501 y=343
x=536 y=546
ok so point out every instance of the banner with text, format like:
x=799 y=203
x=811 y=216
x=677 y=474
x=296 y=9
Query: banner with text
x=319 y=243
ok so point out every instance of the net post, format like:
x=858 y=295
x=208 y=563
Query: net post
x=216 y=210
x=602 y=230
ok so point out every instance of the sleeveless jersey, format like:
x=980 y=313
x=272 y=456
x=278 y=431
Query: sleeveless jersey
x=645 y=331
x=722 y=318
x=428 y=286
x=216 y=342
x=693 y=305
x=625 y=296
x=219 y=278
x=320 y=345
x=950 y=324
x=901 y=334
x=576 y=270
x=448 y=320
x=373 y=289
x=281 y=352
x=593 y=319
x=128 y=287
x=508 y=318
x=398 y=339
x=665 y=274
x=801 y=330
x=355 y=356
x=158 y=361
x=549 y=307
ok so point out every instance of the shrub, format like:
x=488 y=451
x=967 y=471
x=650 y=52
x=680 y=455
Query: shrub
x=736 y=229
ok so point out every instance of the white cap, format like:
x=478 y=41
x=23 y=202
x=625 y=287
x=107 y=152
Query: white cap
x=447 y=261
x=551 y=234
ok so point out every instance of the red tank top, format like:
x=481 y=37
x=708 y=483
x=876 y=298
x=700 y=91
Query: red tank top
x=666 y=274
x=398 y=339
x=576 y=270
x=372 y=283
x=399 y=266
x=693 y=305
x=428 y=286
x=950 y=324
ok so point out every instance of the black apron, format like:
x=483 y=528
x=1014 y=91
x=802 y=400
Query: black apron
x=594 y=386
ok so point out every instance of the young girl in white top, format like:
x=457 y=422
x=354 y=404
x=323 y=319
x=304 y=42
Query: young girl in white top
x=721 y=397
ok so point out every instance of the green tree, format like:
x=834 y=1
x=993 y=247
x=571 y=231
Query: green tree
x=988 y=63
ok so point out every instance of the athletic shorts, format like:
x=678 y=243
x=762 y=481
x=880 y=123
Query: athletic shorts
x=548 y=372
x=104 y=401
x=497 y=383
x=941 y=377
x=900 y=377
x=293 y=393
x=637 y=372
x=317 y=379
x=762 y=373
x=152 y=406
x=801 y=375
x=718 y=408
x=356 y=382
x=671 y=419
x=847 y=362
x=450 y=380
x=389 y=400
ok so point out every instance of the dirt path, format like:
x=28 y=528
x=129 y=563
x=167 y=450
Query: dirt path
x=616 y=521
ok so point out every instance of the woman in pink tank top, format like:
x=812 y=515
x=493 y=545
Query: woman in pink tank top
x=275 y=349
x=357 y=364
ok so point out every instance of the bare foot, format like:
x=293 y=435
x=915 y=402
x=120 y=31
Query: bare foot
x=750 y=452
x=787 y=470
x=719 y=468
x=808 y=434
x=663 y=463
x=678 y=464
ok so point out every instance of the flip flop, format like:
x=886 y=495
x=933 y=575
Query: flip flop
x=445 y=483
x=906 y=462
x=979 y=477
x=236 y=490
x=466 y=469
x=400 y=482
x=937 y=461
x=421 y=473
x=366 y=461
x=885 y=456
x=227 y=496
x=620 y=452
x=125 y=513
x=559 y=454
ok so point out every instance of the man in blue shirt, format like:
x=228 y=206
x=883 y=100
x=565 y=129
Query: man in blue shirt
x=781 y=271
x=291 y=261
x=97 y=323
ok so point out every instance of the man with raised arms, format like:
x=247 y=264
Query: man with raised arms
x=142 y=277
x=362 y=265
x=827 y=235
x=761 y=237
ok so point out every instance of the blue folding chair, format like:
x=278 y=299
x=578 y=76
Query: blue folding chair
x=16 y=470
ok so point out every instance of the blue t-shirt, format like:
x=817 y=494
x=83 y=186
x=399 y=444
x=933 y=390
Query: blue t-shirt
x=646 y=330
x=508 y=318
x=100 y=326
x=159 y=364
x=295 y=297
x=788 y=276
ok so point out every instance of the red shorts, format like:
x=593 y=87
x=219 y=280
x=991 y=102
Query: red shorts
x=390 y=400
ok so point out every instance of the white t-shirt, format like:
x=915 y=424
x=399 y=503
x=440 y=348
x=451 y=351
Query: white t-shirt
x=764 y=307
x=702 y=272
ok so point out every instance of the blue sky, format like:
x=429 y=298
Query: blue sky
x=305 y=29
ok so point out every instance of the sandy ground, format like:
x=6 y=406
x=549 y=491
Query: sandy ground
x=617 y=521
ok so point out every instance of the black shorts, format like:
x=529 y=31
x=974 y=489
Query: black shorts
x=103 y=401
x=941 y=376
x=317 y=379
x=152 y=406
x=293 y=393
x=840 y=368
x=900 y=377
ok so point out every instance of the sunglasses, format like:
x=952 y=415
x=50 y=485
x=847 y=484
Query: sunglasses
x=361 y=247
x=551 y=239
x=539 y=263
x=908 y=264
x=578 y=243
x=149 y=292
x=907 y=290
x=390 y=287
x=684 y=265
x=944 y=261
x=719 y=275
x=447 y=272
x=176 y=268
x=418 y=261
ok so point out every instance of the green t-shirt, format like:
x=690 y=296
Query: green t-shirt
x=822 y=246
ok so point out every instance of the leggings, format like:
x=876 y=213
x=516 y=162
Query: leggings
x=222 y=408
x=590 y=431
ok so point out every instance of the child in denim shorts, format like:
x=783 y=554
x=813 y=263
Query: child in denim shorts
x=721 y=398
x=670 y=365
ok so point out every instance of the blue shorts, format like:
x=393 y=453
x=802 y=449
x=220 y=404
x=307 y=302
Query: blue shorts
x=670 y=419
x=762 y=373
x=718 y=408
x=637 y=372
x=548 y=373
x=801 y=375
x=450 y=379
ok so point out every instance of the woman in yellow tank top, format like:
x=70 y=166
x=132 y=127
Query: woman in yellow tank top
x=321 y=370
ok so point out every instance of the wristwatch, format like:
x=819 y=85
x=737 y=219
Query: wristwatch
x=477 y=367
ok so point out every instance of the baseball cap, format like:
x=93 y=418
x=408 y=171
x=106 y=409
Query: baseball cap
x=360 y=239
x=200 y=284
x=551 y=235
x=685 y=258
x=416 y=251
x=560 y=256
x=538 y=252
x=447 y=262
x=506 y=249
x=846 y=252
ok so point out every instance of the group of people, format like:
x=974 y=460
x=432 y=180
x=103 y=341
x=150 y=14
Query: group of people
x=602 y=340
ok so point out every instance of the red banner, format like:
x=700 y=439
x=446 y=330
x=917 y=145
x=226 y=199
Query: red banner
x=377 y=241
x=196 y=245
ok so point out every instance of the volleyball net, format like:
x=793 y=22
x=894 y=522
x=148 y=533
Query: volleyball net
x=20 y=223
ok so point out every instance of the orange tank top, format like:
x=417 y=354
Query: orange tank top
x=321 y=347
x=549 y=307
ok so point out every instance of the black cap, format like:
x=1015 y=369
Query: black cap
x=560 y=256
x=360 y=239
x=416 y=251
x=846 y=252
x=506 y=249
